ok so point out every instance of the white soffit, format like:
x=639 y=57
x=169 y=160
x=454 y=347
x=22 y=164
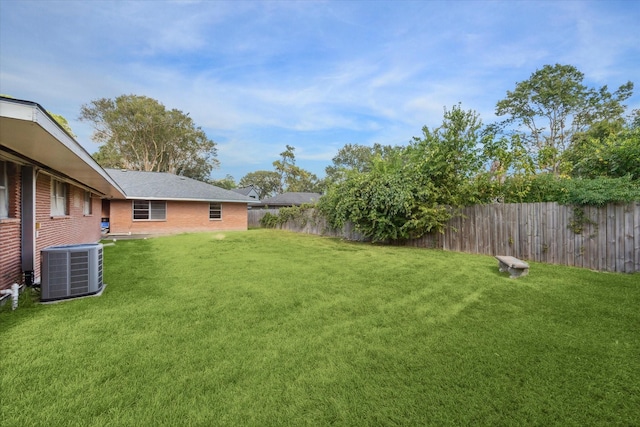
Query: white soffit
x=26 y=129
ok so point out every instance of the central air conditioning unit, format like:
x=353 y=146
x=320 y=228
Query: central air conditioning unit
x=71 y=271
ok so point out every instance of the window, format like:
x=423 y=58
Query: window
x=215 y=211
x=86 y=207
x=58 y=198
x=4 y=191
x=149 y=210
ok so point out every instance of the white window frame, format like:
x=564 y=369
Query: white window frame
x=59 y=193
x=4 y=191
x=149 y=210
x=215 y=211
x=87 y=206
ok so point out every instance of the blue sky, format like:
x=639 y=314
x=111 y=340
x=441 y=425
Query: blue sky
x=316 y=75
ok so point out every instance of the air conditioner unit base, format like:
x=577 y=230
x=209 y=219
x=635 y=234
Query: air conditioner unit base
x=56 y=301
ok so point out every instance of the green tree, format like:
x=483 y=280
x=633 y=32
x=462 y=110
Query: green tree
x=609 y=149
x=450 y=155
x=406 y=191
x=552 y=106
x=389 y=202
x=292 y=177
x=266 y=183
x=139 y=133
x=284 y=165
x=353 y=157
x=299 y=179
x=62 y=122
x=228 y=183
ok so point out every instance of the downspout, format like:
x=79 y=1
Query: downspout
x=28 y=223
x=14 y=292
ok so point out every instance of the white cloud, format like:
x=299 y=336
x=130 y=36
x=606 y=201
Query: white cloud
x=316 y=75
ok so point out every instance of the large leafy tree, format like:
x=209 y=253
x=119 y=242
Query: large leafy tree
x=228 y=183
x=293 y=177
x=554 y=105
x=139 y=133
x=286 y=176
x=299 y=179
x=607 y=149
x=353 y=157
x=266 y=183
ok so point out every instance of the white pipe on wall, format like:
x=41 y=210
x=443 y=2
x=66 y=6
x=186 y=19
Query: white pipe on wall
x=14 y=292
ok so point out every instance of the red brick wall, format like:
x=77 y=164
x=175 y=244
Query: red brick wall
x=10 y=269
x=10 y=264
x=73 y=228
x=181 y=217
x=70 y=229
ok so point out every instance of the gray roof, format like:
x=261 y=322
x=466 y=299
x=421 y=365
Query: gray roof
x=166 y=186
x=244 y=191
x=291 y=199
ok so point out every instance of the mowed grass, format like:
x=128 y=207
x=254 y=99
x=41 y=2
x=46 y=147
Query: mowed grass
x=269 y=328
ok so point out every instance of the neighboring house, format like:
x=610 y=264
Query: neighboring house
x=289 y=199
x=249 y=191
x=50 y=190
x=162 y=203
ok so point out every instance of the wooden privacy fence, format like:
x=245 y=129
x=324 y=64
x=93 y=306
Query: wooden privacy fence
x=310 y=224
x=599 y=238
x=255 y=215
x=603 y=238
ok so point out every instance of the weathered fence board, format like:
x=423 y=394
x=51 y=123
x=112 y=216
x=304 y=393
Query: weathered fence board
x=619 y=238
x=628 y=238
x=601 y=239
x=608 y=238
x=255 y=215
x=592 y=237
x=611 y=239
x=636 y=234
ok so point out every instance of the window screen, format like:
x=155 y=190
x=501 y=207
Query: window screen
x=87 y=203
x=4 y=191
x=215 y=211
x=58 y=198
x=149 y=210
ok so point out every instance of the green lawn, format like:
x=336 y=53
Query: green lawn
x=269 y=328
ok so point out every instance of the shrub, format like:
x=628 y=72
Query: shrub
x=566 y=191
x=269 y=220
x=290 y=213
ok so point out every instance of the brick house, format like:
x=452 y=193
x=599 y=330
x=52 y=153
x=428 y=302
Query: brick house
x=162 y=203
x=50 y=190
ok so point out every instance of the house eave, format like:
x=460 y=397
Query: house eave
x=29 y=132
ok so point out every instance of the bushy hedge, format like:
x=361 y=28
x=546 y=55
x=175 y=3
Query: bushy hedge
x=549 y=188
x=285 y=214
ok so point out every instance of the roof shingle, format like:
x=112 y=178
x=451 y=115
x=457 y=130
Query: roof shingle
x=166 y=186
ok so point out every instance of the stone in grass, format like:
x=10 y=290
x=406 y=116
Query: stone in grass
x=513 y=265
